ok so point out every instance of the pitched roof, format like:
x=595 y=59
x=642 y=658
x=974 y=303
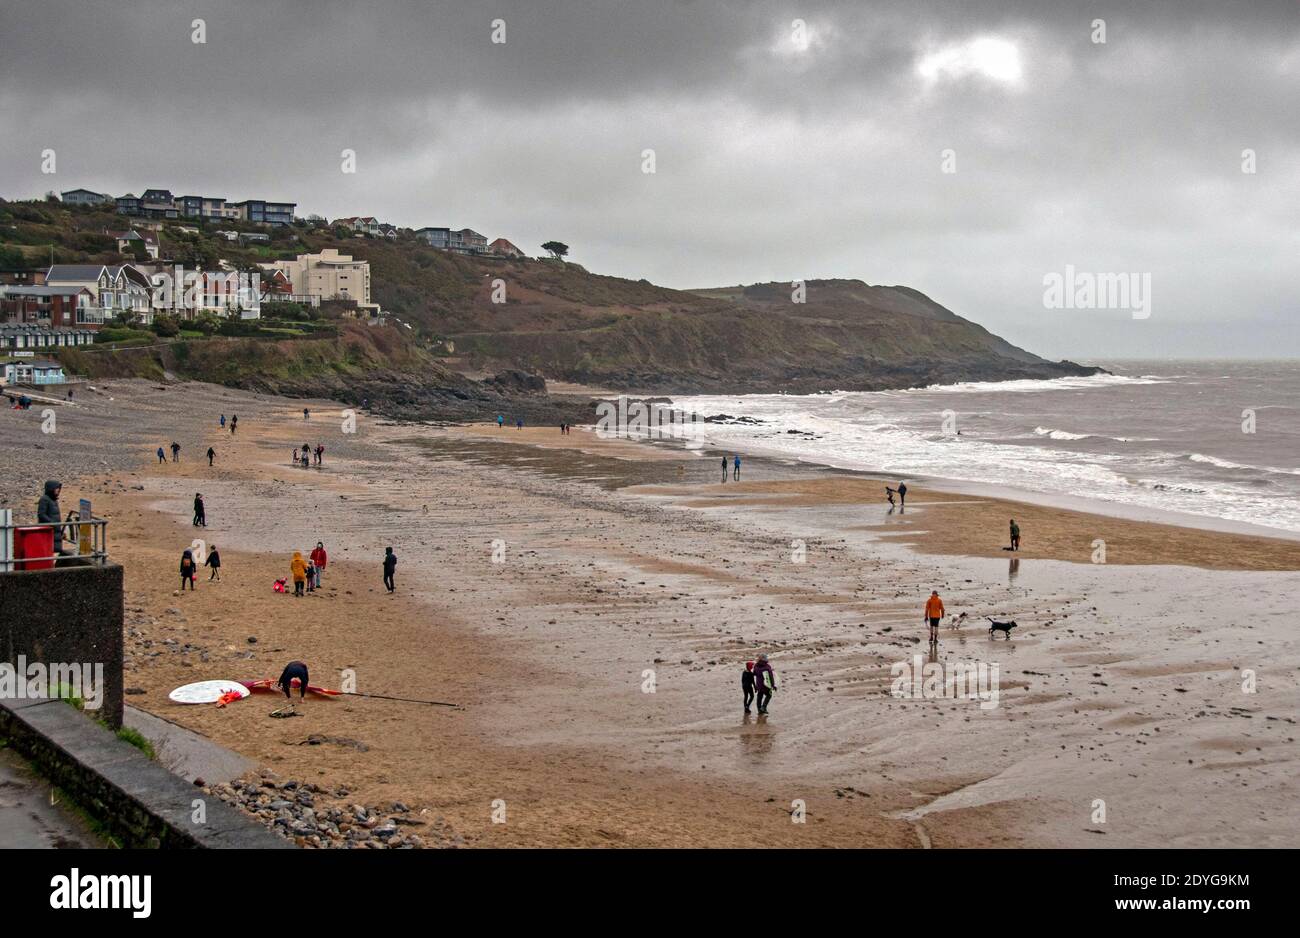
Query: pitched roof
x=74 y=272
x=16 y=290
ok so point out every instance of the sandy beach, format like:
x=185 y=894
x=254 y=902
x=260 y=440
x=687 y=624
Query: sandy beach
x=548 y=583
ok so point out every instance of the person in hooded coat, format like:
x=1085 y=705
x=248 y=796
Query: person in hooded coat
x=187 y=570
x=298 y=567
x=47 y=512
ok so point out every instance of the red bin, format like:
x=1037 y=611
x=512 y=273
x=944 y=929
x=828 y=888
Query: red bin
x=34 y=542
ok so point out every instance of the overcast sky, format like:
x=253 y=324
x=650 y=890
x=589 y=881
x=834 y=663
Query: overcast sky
x=781 y=151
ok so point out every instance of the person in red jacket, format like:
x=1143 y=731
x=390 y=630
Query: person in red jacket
x=318 y=560
x=933 y=613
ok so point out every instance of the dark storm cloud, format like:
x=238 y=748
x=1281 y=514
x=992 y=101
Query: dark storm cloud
x=773 y=161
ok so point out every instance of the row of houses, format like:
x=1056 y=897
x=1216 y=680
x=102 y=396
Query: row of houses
x=88 y=296
x=160 y=203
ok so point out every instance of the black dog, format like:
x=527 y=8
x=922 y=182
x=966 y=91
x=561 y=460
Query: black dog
x=996 y=626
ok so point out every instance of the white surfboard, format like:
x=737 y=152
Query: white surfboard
x=202 y=692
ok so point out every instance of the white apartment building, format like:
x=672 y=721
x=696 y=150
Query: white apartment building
x=328 y=275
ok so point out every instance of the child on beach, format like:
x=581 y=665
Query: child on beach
x=187 y=570
x=162 y=457
x=764 y=682
x=311 y=577
x=390 y=566
x=747 y=684
x=213 y=560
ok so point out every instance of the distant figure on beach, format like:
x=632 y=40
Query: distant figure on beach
x=902 y=495
x=1015 y=535
x=519 y=424
x=889 y=494
x=212 y=454
x=187 y=570
x=737 y=466
x=501 y=421
x=223 y=421
x=234 y=422
x=200 y=516
x=320 y=454
x=933 y=613
x=390 y=566
x=176 y=451
x=311 y=576
x=318 y=559
x=162 y=457
x=213 y=560
x=306 y=414
x=298 y=568
x=747 y=684
x=294 y=669
x=306 y=460
x=764 y=682
x=724 y=468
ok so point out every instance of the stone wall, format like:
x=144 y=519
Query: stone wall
x=68 y=615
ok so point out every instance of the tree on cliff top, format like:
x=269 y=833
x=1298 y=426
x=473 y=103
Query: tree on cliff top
x=557 y=248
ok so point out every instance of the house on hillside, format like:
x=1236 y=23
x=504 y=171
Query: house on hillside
x=328 y=275
x=362 y=224
x=461 y=241
x=48 y=306
x=84 y=197
x=22 y=277
x=387 y=231
x=262 y=212
x=205 y=208
x=503 y=248
x=434 y=237
x=131 y=239
x=116 y=289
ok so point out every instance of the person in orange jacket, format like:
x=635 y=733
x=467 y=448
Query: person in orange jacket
x=298 y=567
x=933 y=613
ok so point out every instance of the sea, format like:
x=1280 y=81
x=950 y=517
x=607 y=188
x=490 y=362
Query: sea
x=1202 y=439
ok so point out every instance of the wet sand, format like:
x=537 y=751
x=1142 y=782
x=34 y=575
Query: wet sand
x=1122 y=683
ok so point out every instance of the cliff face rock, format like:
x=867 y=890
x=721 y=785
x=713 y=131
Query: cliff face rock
x=845 y=335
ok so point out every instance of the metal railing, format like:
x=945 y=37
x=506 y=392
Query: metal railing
x=72 y=539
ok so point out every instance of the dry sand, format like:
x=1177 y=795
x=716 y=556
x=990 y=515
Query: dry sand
x=1122 y=684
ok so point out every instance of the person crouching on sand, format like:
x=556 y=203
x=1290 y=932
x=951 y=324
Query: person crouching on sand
x=933 y=613
x=294 y=669
x=747 y=684
x=187 y=570
x=298 y=567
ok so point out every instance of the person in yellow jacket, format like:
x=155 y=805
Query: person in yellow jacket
x=298 y=567
x=933 y=613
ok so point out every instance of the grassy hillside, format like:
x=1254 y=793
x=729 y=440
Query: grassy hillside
x=562 y=322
